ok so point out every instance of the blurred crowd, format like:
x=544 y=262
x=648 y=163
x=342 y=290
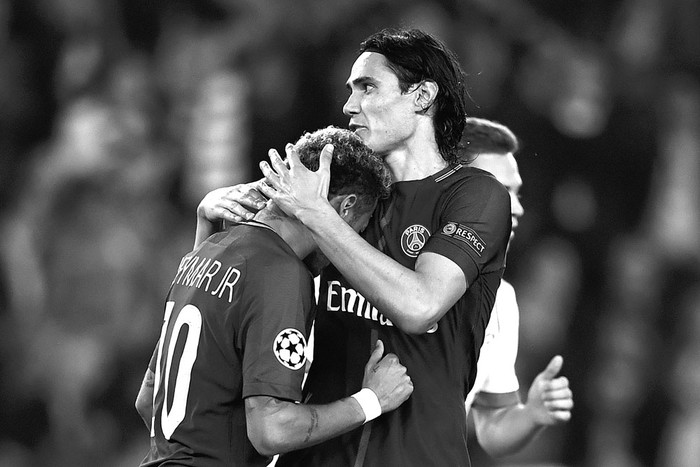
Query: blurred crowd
x=117 y=116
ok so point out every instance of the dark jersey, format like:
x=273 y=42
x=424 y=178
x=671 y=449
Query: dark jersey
x=461 y=213
x=236 y=324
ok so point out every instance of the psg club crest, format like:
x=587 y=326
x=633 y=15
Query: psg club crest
x=413 y=240
x=289 y=347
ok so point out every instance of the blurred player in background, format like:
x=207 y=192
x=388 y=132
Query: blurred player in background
x=503 y=423
x=224 y=382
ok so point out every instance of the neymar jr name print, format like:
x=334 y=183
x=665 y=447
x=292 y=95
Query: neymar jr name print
x=208 y=275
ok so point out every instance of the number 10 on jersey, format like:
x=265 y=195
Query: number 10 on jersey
x=190 y=316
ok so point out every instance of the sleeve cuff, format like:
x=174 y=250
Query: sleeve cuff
x=493 y=400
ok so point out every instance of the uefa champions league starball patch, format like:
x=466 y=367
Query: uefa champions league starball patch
x=289 y=348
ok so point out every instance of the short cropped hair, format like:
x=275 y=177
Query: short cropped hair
x=486 y=136
x=354 y=167
x=415 y=56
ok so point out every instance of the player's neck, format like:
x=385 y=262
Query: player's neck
x=418 y=158
x=409 y=165
x=293 y=232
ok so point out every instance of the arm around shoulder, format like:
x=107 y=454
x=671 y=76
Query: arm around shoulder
x=413 y=299
x=233 y=204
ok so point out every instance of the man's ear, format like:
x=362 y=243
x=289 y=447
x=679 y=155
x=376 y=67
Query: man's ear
x=348 y=202
x=343 y=203
x=426 y=93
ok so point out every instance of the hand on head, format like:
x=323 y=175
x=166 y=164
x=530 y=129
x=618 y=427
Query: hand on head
x=232 y=203
x=291 y=185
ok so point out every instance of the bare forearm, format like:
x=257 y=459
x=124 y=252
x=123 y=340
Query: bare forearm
x=403 y=295
x=505 y=431
x=276 y=426
x=233 y=204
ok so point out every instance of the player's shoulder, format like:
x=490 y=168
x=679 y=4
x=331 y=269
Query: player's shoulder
x=465 y=177
x=246 y=243
x=464 y=172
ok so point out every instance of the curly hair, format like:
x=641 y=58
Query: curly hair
x=354 y=167
x=415 y=56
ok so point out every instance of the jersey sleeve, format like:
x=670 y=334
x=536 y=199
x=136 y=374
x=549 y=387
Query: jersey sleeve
x=474 y=226
x=154 y=356
x=274 y=334
x=501 y=377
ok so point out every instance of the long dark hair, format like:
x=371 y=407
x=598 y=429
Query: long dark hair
x=415 y=56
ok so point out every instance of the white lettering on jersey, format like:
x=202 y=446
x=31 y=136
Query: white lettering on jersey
x=340 y=298
x=466 y=235
x=202 y=272
x=413 y=240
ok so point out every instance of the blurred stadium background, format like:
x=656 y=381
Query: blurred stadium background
x=117 y=116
